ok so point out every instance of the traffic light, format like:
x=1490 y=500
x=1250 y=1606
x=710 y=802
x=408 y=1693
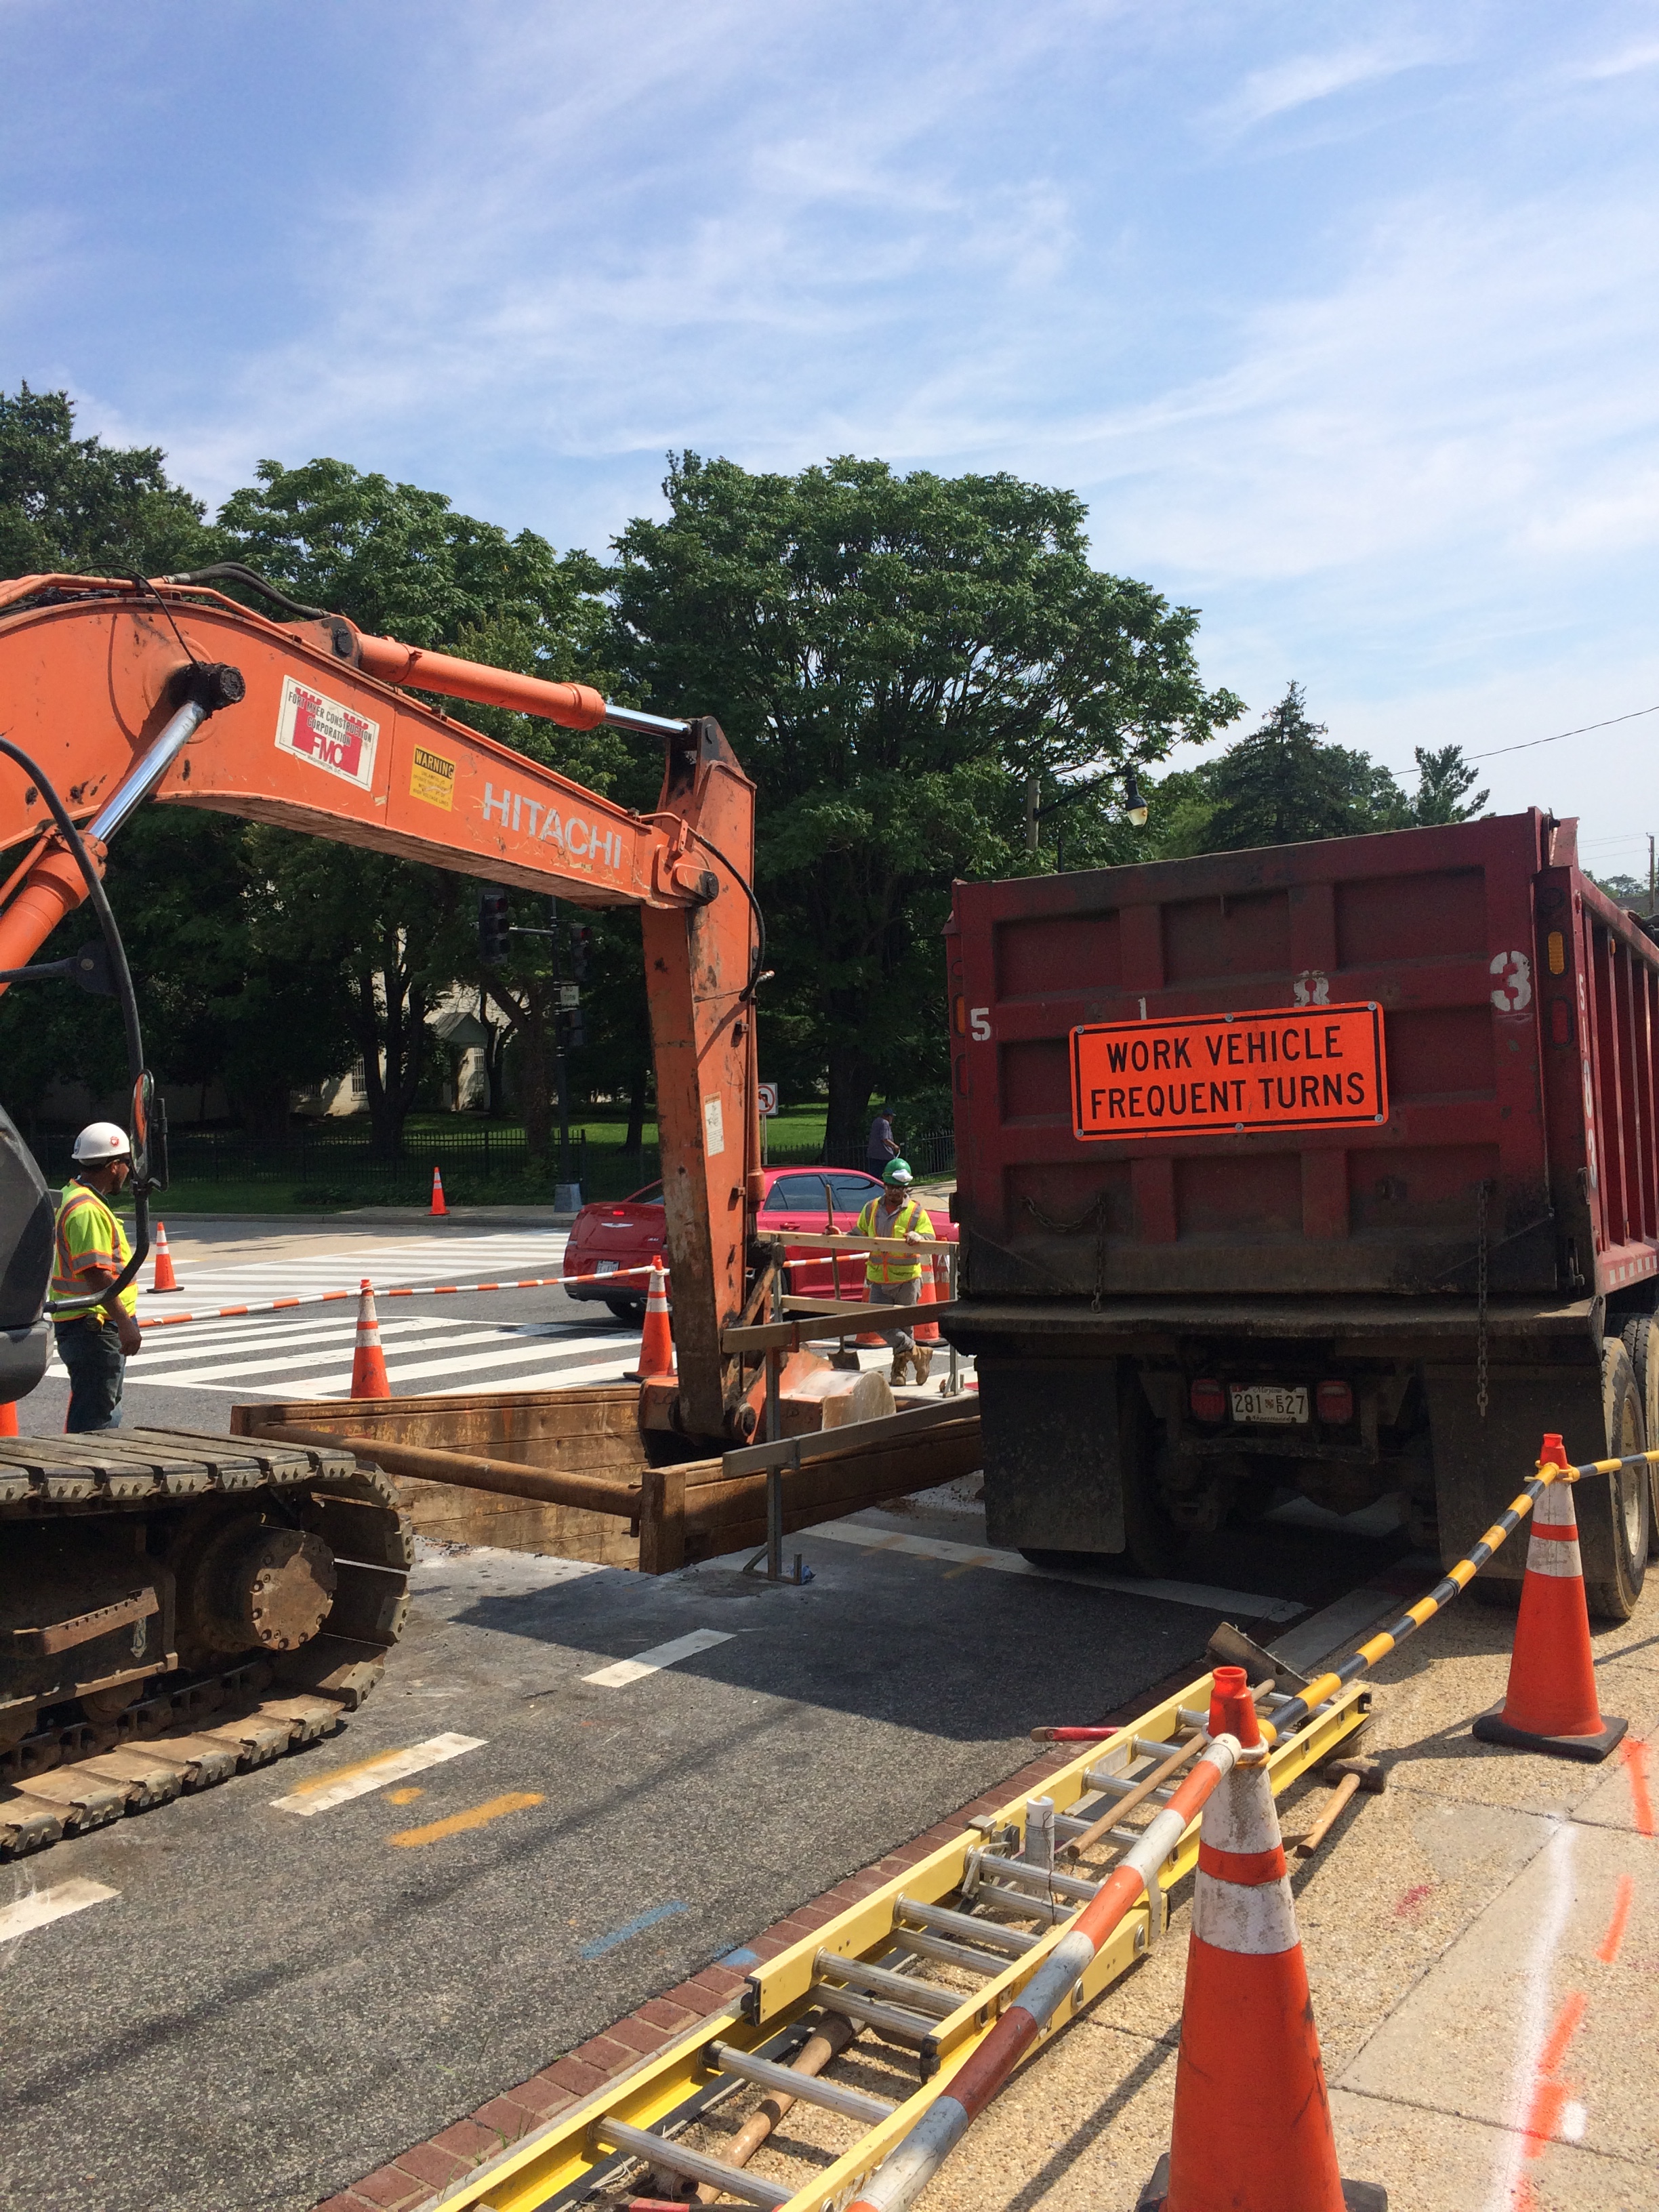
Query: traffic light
x=493 y=925
x=581 y=950
x=568 y=1031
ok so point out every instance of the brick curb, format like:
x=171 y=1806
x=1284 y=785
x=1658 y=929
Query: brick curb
x=418 y=2175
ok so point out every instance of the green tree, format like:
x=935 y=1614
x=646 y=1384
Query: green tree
x=1443 y=785
x=1283 y=785
x=78 y=507
x=401 y=562
x=892 y=657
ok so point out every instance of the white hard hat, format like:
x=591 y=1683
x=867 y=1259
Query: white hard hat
x=100 y=1141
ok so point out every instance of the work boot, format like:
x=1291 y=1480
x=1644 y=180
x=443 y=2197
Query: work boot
x=921 y=1359
x=899 y=1358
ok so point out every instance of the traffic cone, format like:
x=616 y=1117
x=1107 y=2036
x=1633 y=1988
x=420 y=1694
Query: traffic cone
x=369 y=1375
x=1252 y=2129
x=8 y=1419
x=1550 y=1704
x=437 y=1206
x=927 y=1331
x=657 y=1344
x=165 y=1279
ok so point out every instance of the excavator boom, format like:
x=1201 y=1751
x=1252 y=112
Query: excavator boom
x=124 y=690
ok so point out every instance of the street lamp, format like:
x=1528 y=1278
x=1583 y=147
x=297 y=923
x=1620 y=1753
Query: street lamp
x=1135 y=806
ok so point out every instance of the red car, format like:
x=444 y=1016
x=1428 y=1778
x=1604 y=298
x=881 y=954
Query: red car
x=604 y=1238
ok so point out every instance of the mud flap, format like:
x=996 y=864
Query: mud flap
x=1480 y=1465
x=1052 y=1457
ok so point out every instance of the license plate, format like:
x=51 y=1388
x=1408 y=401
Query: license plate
x=610 y=1267
x=1265 y=1401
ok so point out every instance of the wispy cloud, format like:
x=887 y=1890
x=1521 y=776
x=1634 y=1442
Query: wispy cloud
x=1625 y=61
x=1302 y=79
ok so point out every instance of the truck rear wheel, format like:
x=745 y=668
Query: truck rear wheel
x=1641 y=1341
x=1613 y=1510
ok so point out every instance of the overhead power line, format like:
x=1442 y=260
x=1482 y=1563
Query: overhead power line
x=1527 y=744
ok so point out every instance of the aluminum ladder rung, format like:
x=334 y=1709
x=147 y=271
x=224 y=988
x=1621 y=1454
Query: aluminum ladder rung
x=1022 y=1870
x=870 y=2011
x=1119 y=1785
x=883 y=1981
x=964 y=1956
x=810 y=2088
x=694 y=2165
x=949 y=1922
x=1023 y=1902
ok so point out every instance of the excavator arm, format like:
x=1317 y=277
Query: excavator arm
x=123 y=691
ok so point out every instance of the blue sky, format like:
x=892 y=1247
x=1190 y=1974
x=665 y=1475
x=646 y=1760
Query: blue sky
x=1344 y=320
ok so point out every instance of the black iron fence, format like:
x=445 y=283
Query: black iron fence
x=338 y=1167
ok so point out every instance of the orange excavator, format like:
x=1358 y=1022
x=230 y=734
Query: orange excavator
x=113 y=693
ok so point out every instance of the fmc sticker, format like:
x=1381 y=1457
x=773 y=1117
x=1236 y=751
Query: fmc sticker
x=320 y=730
x=1305 y=1069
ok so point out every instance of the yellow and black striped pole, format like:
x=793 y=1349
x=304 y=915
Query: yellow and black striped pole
x=1290 y=1717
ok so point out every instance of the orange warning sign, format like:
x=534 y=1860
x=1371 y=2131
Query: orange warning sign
x=1296 y=1067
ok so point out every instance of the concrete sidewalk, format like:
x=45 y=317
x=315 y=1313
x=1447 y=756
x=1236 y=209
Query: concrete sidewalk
x=1483 y=1944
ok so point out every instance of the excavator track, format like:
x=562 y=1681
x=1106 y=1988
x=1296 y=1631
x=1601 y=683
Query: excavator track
x=179 y=1500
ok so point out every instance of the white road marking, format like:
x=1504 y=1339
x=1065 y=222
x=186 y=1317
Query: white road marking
x=367 y=1775
x=1252 y=1607
x=658 y=1657
x=513 y=1335
x=44 y=1905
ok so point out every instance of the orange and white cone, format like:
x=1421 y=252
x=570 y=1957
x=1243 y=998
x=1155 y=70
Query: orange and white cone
x=927 y=1331
x=1550 y=1702
x=8 y=1419
x=1252 y=2129
x=164 y=1278
x=369 y=1375
x=437 y=1206
x=657 y=1344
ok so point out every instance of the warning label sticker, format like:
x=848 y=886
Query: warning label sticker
x=325 y=734
x=1281 y=1068
x=432 y=777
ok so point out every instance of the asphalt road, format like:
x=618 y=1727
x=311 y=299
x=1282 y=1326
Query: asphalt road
x=271 y=2003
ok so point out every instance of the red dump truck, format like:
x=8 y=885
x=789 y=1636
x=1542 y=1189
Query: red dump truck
x=1329 y=1168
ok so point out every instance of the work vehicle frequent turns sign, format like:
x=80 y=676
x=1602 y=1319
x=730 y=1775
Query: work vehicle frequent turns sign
x=1296 y=1067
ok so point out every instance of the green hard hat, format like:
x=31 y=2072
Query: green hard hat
x=897 y=1171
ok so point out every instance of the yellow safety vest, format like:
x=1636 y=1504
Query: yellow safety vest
x=888 y=1267
x=89 y=1235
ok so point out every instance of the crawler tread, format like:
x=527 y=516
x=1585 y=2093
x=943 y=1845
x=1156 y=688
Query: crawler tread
x=193 y=1732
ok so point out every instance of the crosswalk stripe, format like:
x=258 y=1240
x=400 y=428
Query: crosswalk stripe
x=402 y=1371
x=41 y=1905
x=535 y=1348
x=302 y=1343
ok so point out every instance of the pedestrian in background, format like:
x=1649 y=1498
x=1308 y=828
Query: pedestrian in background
x=881 y=1146
x=894 y=1278
x=90 y=1250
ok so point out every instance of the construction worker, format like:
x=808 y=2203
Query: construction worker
x=90 y=1252
x=895 y=1280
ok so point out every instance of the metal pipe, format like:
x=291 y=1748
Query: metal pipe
x=143 y=776
x=1039 y=1847
x=1022 y=1902
x=425 y=1464
x=766 y=2073
x=1118 y=1785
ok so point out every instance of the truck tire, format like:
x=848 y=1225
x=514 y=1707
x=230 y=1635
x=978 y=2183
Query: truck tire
x=1612 y=1509
x=1641 y=1341
x=1152 y=1545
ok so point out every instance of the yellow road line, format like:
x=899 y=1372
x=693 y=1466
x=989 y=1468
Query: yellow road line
x=476 y=1816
